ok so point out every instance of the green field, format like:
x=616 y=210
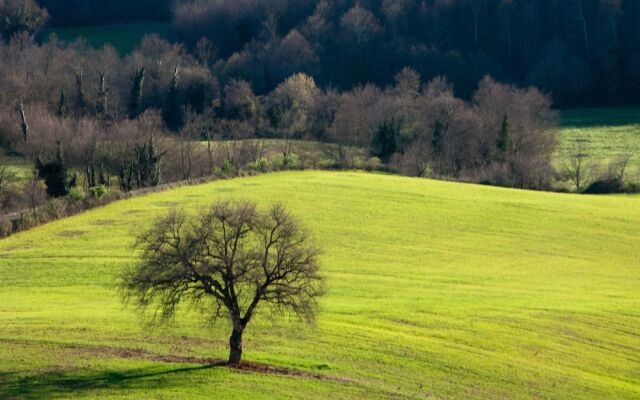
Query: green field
x=606 y=133
x=123 y=37
x=17 y=166
x=304 y=153
x=435 y=290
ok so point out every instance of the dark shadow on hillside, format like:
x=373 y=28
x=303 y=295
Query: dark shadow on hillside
x=600 y=117
x=50 y=385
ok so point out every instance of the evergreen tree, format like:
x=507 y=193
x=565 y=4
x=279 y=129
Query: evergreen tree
x=103 y=177
x=62 y=105
x=56 y=174
x=91 y=175
x=137 y=88
x=81 y=100
x=144 y=170
x=503 y=138
x=103 y=95
x=437 y=139
x=125 y=175
x=147 y=162
x=386 y=140
x=24 y=126
x=172 y=112
x=96 y=178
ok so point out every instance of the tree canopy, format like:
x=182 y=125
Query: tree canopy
x=230 y=261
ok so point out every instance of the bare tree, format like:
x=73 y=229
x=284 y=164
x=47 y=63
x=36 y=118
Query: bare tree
x=291 y=104
x=21 y=16
x=415 y=159
x=576 y=167
x=583 y=23
x=239 y=101
x=23 y=125
x=293 y=54
x=355 y=121
x=618 y=167
x=227 y=261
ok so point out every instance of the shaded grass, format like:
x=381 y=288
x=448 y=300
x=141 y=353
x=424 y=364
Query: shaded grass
x=435 y=289
x=123 y=37
x=62 y=384
x=17 y=166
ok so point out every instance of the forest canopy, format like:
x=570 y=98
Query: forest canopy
x=583 y=51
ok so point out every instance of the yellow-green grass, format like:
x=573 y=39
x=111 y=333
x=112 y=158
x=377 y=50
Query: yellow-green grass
x=123 y=37
x=605 y=133
x=18 y=167
x=435 y=290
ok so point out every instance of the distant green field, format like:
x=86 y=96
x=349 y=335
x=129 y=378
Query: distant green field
x=307 y=153
x=606 y=133
x=19 y=167
x=435 y=290
x=123 y=37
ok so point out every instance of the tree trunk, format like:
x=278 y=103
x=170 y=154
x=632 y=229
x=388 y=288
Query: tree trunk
x=235 y=346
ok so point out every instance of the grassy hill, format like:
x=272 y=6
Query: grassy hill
x=606 y=133
x=435 y=290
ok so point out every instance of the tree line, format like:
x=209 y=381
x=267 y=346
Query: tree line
x=583 y=51
x=103 y=109
x=90 y=119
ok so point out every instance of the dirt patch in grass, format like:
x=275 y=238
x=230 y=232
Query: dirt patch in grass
x=166 y=203
x=133 y=212
x=101 y=222
x=71 y=234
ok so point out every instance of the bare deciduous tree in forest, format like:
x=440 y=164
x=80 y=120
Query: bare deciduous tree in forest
x=576 y=166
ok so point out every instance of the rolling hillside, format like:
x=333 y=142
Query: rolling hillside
x=435 y=290
x=604 y=134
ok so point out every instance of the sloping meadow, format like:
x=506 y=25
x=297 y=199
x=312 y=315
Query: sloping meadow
x=435 y=289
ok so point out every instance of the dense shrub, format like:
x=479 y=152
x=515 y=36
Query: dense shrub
x=77 y=194
x=605 y=186
x=57 y=175
x=98 y=192
x=6 y=227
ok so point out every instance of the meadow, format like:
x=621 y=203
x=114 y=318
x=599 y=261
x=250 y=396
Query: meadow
x=435 y=290
x=124 y=37
x=18 y=167
x=604 y=133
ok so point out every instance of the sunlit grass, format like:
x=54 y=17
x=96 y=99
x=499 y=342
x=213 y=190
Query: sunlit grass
x=435 y=289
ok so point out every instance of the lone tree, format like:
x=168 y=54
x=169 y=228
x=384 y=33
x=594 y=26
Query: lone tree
x=576 y=166
x=227 y=261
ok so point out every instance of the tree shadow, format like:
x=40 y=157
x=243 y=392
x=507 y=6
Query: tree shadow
x=49 y=385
